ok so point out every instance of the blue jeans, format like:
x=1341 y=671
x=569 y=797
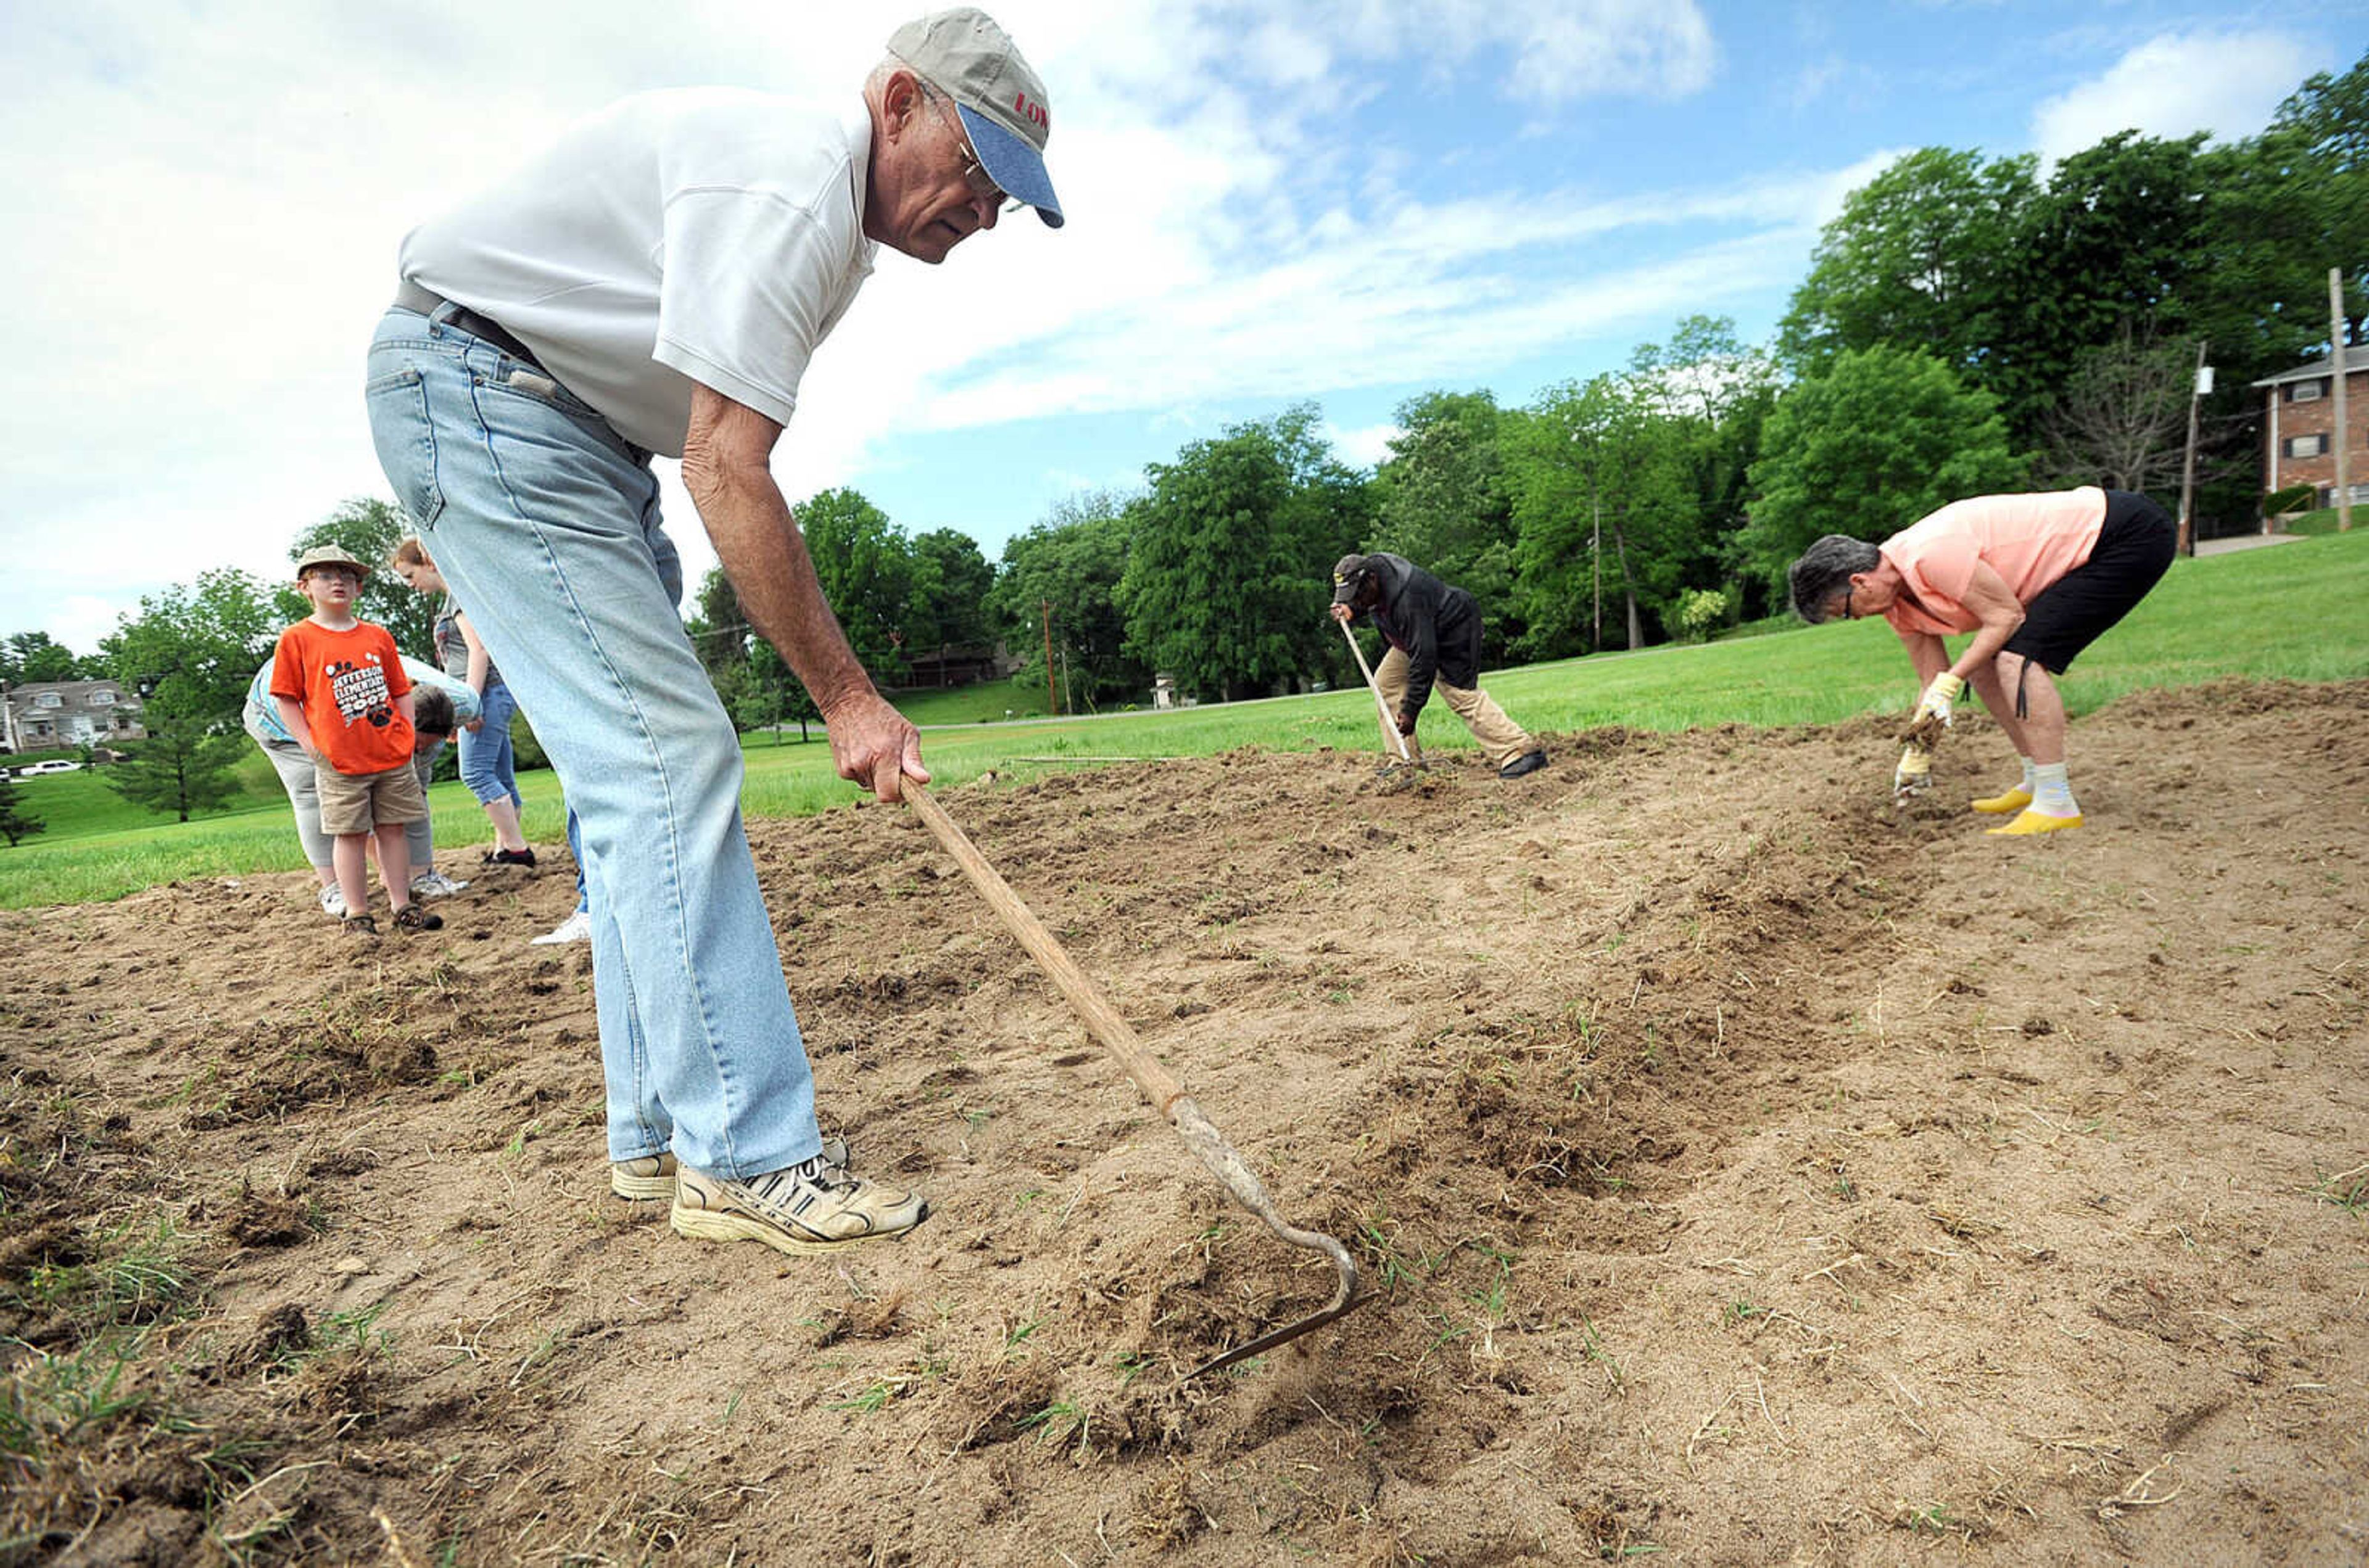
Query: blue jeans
x=488 y=761
x=545 y=522
x=576 y=853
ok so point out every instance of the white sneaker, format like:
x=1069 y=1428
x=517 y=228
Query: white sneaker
x=333 y=902
x=577 y=927
x=813 y=1208
x=434 y=885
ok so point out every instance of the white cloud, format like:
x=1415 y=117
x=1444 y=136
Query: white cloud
x=206 y=203
x=1363 y=446
x=2227 y=83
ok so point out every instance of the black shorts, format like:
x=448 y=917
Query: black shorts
x=2133 y=550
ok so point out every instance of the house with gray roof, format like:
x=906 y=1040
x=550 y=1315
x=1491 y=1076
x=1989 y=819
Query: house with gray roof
x=49 y=716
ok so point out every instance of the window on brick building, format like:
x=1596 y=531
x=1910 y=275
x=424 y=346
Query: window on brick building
x=2305 y=446
x=2306 y=391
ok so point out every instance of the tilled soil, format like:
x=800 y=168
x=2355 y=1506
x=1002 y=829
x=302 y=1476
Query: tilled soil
x=1745 y=1169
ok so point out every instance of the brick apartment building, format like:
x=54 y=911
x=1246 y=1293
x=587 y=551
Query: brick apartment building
x=2299 y=427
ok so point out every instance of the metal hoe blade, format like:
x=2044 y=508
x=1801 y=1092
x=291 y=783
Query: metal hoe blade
x=1159 y=1085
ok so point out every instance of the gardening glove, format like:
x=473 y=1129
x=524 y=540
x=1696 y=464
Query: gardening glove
x=1406 y=722
x=1914 y=774
x=1935 y=704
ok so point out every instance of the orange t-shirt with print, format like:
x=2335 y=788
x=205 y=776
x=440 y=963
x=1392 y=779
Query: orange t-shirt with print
x=2030 y=541
x=348 y=681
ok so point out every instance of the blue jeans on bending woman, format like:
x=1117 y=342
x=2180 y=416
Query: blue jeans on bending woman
x=488 y=761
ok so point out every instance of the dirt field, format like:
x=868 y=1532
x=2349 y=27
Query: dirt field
x=1748 y=1173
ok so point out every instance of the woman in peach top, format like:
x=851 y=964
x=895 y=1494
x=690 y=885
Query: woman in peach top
x=2035 y=577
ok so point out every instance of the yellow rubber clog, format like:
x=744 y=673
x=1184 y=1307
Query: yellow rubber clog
x=2015 y=799
x=2031 y=822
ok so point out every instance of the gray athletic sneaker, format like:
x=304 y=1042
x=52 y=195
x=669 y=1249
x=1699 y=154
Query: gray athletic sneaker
x=813 y=1208
x=651 y=1178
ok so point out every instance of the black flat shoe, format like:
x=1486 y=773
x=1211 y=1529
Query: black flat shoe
x=1527 y=762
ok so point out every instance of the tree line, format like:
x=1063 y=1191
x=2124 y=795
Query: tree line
x=1968 y=324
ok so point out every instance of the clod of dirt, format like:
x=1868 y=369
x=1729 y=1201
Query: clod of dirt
x=344 y=1383
x=282 y=1332
x=862 y=1319
x=991 y=1404
x=256 y=1219
x=1924 y=730
x=1164 y=1512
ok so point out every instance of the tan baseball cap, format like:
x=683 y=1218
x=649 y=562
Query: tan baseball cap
x=1000 y=96
x=327 y=555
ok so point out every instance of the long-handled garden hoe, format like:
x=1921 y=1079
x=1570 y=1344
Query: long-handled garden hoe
x=1390 y=724
x=1159 y=1085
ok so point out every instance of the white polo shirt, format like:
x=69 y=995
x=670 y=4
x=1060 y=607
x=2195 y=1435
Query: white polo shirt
x=706 y=234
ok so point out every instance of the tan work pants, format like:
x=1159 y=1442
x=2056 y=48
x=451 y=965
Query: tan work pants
x=1501 y=739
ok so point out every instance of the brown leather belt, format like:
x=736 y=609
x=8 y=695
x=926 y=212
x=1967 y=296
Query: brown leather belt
x=411 y=296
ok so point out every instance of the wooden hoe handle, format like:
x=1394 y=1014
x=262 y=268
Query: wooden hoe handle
x=1159 y=1085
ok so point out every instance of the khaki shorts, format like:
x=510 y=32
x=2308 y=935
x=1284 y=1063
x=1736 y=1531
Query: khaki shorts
x=356 y=803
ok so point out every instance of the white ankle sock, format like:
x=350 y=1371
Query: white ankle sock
x=2051 y=794
x=2027 y=775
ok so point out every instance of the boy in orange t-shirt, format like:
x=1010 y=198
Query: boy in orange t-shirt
x=343 y=695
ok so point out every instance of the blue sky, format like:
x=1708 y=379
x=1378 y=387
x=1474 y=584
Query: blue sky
x=1345 y=201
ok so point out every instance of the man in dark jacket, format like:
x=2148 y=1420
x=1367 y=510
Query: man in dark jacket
x=1434 y=631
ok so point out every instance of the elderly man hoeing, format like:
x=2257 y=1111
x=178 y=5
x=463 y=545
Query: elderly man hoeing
x=656 y=283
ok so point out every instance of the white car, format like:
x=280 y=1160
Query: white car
x=56 y=765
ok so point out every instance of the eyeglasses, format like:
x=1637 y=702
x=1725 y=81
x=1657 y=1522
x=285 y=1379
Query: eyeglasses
x=1850 y=589
x=975 y=176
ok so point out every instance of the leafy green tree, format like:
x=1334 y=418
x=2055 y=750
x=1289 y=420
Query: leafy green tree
x=1228 y=571
x=1606 y=507
x=192 y=653
x=769 y=695
x=195 y=646
x=1717 y=392
x=182 y=766
x=2119 y=242
x=1443 y=500
x=38 y=657
x=755 y=684
x=867 y=571
x=1883 y=437
x=951 y=577
x=369 y=530
x=1069 y=567
x=2301 y=192
x=16 y=825
x=1915 y=256
x=718 y=629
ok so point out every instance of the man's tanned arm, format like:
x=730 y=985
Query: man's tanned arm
x=724 y=467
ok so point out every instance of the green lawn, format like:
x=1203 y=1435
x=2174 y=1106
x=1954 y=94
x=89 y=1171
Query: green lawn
x=2324 y=521
x=2290 y=612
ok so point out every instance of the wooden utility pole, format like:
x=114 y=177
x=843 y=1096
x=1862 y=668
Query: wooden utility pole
x=1052 y=702
x=2187 y=545
x=2343 y=430
x=1595 y=570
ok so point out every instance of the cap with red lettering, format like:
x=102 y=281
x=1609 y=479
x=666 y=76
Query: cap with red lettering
x=1000 y=98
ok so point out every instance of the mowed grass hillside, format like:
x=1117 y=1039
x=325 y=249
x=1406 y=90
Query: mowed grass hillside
x=2290 y=612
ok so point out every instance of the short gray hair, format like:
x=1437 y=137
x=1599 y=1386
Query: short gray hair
x=1826 y=569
